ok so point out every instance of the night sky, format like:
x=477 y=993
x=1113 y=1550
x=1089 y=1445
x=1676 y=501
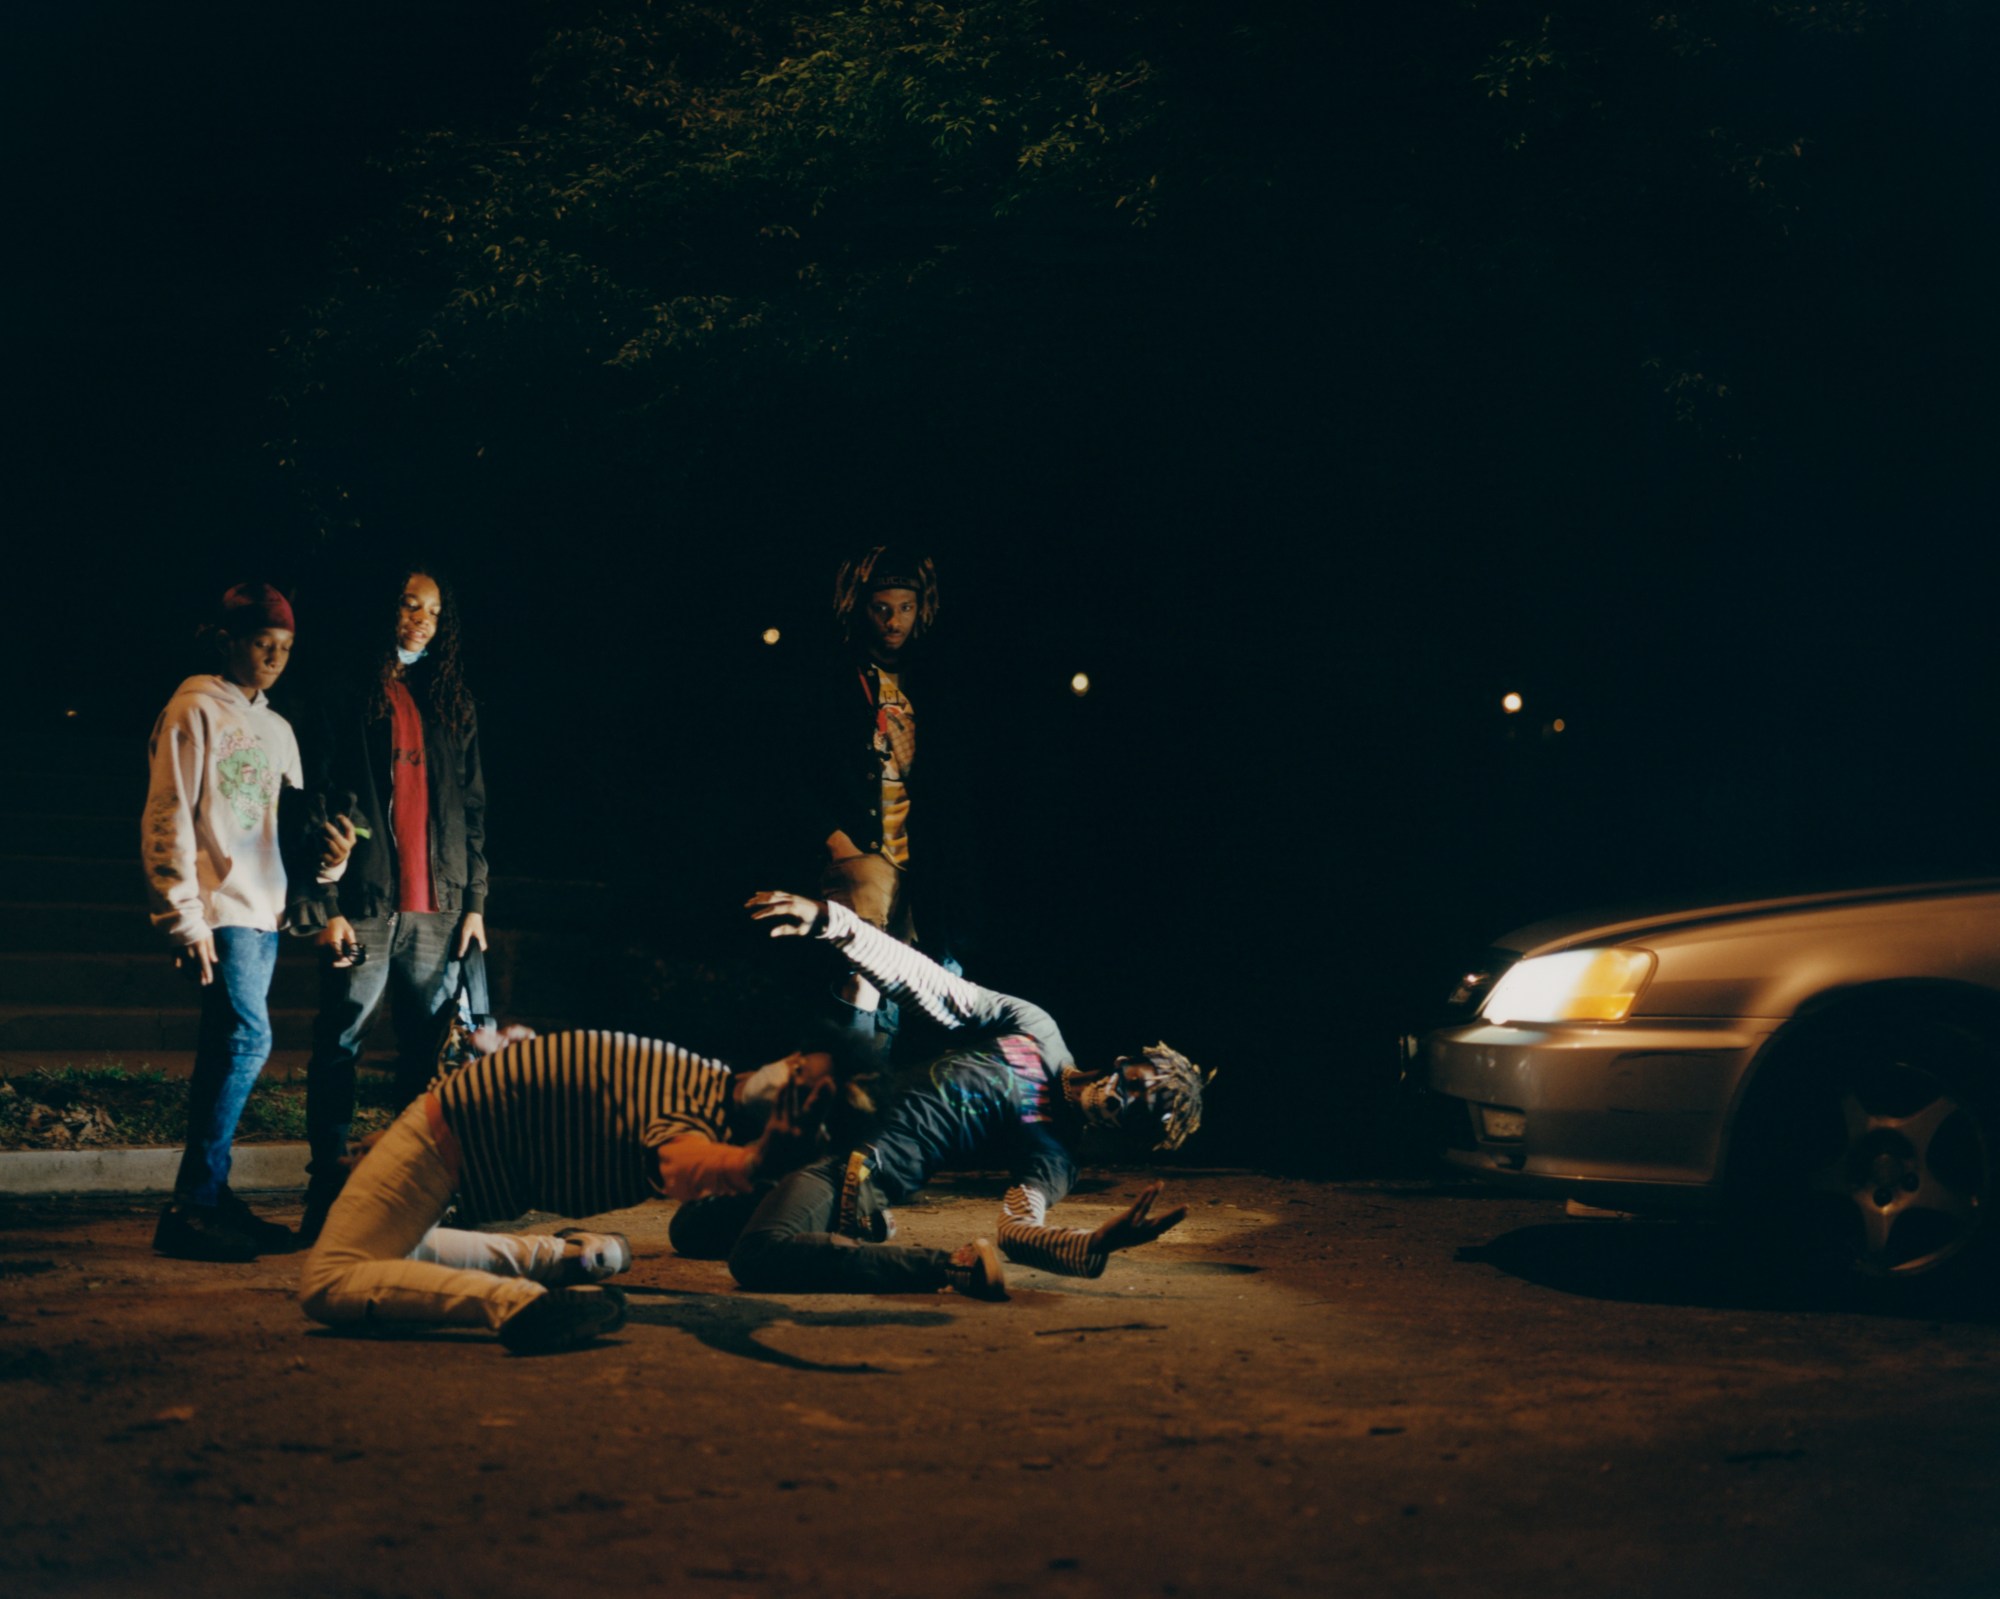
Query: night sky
x=1418 y=396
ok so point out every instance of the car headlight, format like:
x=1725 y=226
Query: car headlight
x=1579 y=985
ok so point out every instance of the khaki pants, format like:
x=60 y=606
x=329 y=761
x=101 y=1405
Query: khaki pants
x=382 y=1257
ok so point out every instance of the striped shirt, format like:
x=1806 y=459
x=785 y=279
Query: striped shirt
x=1027 y=1240
x=572 y=1123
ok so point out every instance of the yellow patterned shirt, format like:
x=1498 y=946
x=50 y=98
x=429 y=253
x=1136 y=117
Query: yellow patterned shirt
x=896 y=744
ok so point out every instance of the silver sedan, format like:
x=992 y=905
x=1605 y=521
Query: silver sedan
x=1826 y=1064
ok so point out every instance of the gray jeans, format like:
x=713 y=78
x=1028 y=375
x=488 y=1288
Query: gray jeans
x=411 y=959
x=786 y=1245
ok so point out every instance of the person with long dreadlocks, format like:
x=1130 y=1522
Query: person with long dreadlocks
x=875 y=816
x=406 y=748
x=1010 y=1093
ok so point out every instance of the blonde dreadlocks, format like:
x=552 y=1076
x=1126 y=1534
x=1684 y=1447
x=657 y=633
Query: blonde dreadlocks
x=884 y=567
x=1175 y=1095
x=1151 y=1100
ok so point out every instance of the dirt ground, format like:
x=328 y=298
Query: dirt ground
x=1311 y=1387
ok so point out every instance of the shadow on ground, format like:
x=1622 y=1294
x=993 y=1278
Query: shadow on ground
x=730 y=1323
x=1673 y=1263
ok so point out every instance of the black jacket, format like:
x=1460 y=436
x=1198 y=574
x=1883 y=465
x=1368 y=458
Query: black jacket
x=348 y=751
x=845 y=788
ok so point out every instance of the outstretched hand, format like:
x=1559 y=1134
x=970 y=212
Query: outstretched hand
x=790 y=915
x=1136 y=1225
x=791 y=1137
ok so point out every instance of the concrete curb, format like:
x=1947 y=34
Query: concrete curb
x=32 y=1173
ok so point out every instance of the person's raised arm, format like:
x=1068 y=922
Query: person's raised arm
x=907 y=974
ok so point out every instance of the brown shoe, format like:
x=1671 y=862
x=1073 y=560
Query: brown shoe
x=975 y=1271
x=563 y=1318
x=201 y=1232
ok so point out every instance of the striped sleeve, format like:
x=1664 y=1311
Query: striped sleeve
x=914 y=978
x=1026 y=1240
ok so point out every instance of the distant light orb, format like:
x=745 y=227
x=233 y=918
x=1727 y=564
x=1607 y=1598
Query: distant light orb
x=1511 y=703
x=1558 y=724
x=1080 y=684
x=771 y=635
x=69 y=713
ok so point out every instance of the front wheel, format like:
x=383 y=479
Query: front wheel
x=1873 y=1148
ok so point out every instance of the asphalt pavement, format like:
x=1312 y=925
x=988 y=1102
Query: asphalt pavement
x=1395 y=1388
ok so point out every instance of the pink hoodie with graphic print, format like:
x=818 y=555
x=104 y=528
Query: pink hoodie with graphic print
x=209 y=838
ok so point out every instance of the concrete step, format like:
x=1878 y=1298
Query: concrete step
x=84 y=929
x=123 y=795
x=253 y=1169
x=113 y=837
x=82 y=754
x=74 y=879
x=95 y=880
x=144 y=980
x=34 y=927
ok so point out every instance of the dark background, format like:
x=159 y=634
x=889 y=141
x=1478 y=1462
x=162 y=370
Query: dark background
x=1657 y=389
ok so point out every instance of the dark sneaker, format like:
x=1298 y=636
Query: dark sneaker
x=563 y=1318
x=592 y=1257
x=201 y=1232
x=270 y=1237
x=975 y=1271
x=862 y=1214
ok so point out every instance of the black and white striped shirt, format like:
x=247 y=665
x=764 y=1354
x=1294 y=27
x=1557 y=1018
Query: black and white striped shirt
x=914 y=978
x=572 y=1123
x=1026 y=1037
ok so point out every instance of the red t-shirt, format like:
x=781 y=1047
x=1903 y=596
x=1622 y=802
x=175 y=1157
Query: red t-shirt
x=409 y=802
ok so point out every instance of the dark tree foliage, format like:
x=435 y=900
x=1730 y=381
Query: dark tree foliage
x=1329 y=369
x=1727 y=221
x=707 y=201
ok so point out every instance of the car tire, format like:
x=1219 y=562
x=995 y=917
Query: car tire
x=1869 y=1148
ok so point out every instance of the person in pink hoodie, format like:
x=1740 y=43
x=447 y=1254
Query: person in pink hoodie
x=215 y=878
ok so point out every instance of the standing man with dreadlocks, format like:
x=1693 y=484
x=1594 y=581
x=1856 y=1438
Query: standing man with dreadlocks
x=404 y=741
x=1009 y=1093
x=877 y=819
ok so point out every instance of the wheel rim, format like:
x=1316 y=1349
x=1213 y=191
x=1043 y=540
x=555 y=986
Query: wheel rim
x=1906 y=1191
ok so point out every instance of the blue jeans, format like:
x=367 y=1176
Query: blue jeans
x=411 y=959
x=230 y=1050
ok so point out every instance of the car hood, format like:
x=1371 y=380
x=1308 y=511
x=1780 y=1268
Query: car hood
x=1631 y=922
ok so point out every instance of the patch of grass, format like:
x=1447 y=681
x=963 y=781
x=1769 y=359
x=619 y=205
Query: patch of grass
x=112 y=1106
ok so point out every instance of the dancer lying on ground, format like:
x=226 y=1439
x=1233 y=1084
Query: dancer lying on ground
x=574 y=1123
x=1011 y=1093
